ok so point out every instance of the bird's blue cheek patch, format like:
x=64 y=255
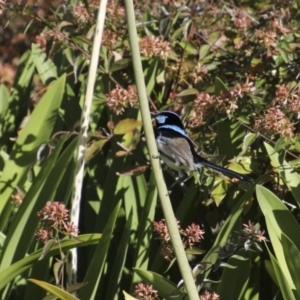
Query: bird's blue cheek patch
x=161 y=119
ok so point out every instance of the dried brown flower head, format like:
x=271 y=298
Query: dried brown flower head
x=206 y=105
x=274 y=121
x=287 y=99
x=81 y=14
x=145 y=291
x=268 y=38
x=18 y=197
x=253 y=232
x=109 y=38
x=118 y=99
x=153 y=46
x=198 y=73
x=115 y=9
x=191 y=235
x=206 y=295
x=54 y=219
x=7 y=74
x=242 y=19
x=2 y=6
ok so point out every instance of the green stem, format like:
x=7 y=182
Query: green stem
x=183 y=264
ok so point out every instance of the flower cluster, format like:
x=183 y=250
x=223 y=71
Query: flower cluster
x=118 y=99
x=81 y=14
x=242 y=21
x=17 y=197
x=153 y=46
x=145 y=292
x=268 y=38
x=198 y=73
x=274 y=121
x=115 y=9
x=206 y=295
x=191 y=235
x=110 y=39
x=253 y=233
x=7 y=74
x=2 y=6
x=54 y=219
x=287 y=99
x=206 y=104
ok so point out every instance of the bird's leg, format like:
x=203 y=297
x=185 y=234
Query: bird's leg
x=180 y=179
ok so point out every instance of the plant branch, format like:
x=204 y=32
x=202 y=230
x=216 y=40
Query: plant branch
x=183 y=264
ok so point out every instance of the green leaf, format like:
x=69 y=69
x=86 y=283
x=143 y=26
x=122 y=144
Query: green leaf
x=237 y=277
x=219 y=190
x=219 y=86
x=150 y=76
x=286 y=172
x=227 y=266
x=194 y=251
x=98 y=260
x=292 y=256
x=119 y=262
x=57 y=267
x=284 y=54
x=279 y=221
x=229 y=226
x=128 y=297
x=24 y=225
x=45 y=67
x=187 y=92
x=19 y=93
x=204 y=50
x=36 y=132
x=94 y=148
x=287 y=293
x=4 y=96
x=145 y=228
x=120 y=65
x=54 y=290
x=126 y=125
x=47 y=247
x=24 y=264
x=249 y=139
x=271 y=272
x=239 y=257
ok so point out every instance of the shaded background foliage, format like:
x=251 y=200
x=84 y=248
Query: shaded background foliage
x=230 y=69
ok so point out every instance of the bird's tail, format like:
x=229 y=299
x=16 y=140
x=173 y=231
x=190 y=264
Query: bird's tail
x=227 y=172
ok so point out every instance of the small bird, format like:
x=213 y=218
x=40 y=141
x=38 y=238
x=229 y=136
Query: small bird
x=177 y=150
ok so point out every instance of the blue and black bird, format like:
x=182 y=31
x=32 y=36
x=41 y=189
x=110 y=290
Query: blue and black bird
x=177 y=150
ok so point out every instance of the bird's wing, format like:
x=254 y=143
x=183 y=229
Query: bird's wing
x=178 y=150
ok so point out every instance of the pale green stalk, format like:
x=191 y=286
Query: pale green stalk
x=86 y=110
x=183 y=263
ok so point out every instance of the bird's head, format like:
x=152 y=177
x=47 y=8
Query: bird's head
x=166 y=117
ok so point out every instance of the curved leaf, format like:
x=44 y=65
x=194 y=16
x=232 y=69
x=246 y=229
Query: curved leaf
x=36 y=132
x=24 y=264
x=126 y=125
x=54 y=290
x=45 y=67
x=286 y=172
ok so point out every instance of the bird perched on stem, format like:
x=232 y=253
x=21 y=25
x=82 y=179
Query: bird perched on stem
x=177 y=149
